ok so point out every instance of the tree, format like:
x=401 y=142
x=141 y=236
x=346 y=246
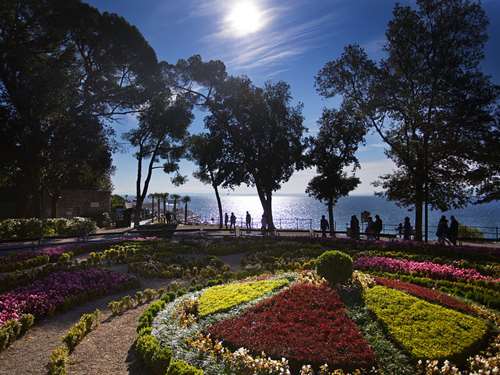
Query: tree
x=165 y=199
x=427 y=100
x=331 y=151
x=206 y=151
x=176 y=198
x=186 y=199
x=117 y=201
x=160 y=136
x=61 y=62
x=261 y=134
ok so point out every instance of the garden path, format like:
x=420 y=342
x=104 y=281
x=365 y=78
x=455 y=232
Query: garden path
x=30 y=354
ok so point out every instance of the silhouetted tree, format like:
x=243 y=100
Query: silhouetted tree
x=159 y=138
x=427 y=99
x=262 y=135
x=186 y=199
x=208 y=154
x=61 y=62
x=331 y=151
x=176 y=198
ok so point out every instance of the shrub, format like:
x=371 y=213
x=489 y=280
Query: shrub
x=58 y=360
x=178 y=367
x=425 y=330
x=334 y=266
x=156 y=358
x=224 y=297
x=78 y=331
x=147 y=317
x=12 y=329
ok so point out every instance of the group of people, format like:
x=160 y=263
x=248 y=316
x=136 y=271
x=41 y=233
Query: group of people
x=231 y=220
x=447 y=233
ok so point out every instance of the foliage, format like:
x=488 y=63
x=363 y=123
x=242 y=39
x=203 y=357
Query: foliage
x=58 y=360
x=156 y=358
x=160 y=136
x=262 y=133
x=426 y=293
x=146 y=319
x=12 y=329
x=428 y=269
x=178 y=367
x=334 y=266
x=475 y=292
x=224 y=297
x=34 y=228
x=306 y=324
x=332 y=150
x=425 y=330
x=469 y=232
x=431 y=50
x=61 y=290
x=78 y=331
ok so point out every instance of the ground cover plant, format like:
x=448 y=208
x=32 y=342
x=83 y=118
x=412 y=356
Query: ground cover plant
x=33 y=228
x=425 y=330
x=428 y=269
x=307 y=324
x=59 y=290
x=221 y=298
x=426 y=293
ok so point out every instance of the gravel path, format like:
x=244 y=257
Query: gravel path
x=30 y=354
x=108 y=349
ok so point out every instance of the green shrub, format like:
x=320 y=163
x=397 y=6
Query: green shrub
x=426 y=330
x=469 y=232
x=147 y=317
x=178 y=367
x=27 y=321
x=58 y=360
x=155 y=357
x=334 y=266
x=12 y=329
x=78 y=331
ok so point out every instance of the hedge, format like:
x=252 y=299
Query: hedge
x=33 y=228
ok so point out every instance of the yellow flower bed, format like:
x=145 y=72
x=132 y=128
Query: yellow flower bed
x=426 y=330
x=224 y=297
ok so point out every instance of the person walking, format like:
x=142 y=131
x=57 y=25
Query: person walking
x=226 y=219
x=378 y=226
x=232 y=225
x=324 y=226
x=370 y=229
x=248 y=220
x=442 y=230
x=453 y=231
x=354 y=228
x=407 y=229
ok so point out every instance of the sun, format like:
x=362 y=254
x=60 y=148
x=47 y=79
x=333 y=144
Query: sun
x=245 y=18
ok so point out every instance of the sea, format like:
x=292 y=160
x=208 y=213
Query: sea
x=303 y=212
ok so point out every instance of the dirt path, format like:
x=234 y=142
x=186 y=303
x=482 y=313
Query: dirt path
x=30 y=354
x=108 y=349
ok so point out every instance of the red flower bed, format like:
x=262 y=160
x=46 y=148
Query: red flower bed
x=306 y=324
x=426 y=293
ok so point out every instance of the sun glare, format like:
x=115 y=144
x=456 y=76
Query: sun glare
x=245 y=18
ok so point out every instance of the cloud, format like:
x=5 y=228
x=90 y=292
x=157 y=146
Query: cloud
x=283 y=35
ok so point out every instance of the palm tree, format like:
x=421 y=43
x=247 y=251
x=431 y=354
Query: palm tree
x=152 y=196
x=158 y=198
x=165 y=199
x=175 y=197
x=186 y=199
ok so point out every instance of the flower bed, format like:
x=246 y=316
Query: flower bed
x=429 y=269
x=305 y=324
x=425 y=330
x=224 y=297
x=426 y=293
x=59 y=290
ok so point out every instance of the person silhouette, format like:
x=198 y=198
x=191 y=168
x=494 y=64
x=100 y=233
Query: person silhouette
x=324 y=225
x=248 y=221
x=233 y=221
x=226 y=219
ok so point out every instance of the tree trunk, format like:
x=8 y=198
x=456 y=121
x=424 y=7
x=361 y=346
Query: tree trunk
x=219 y=205
x=175 y=209
x=165 y=207
x=53 y=205
x=330 y=218
x=185 y=213
x=266 y=202
x=158 y=204
x=419 y=201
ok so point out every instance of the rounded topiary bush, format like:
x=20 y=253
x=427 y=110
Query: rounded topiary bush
x=334 y=266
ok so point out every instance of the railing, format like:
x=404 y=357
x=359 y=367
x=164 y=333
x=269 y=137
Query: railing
x=489 y=233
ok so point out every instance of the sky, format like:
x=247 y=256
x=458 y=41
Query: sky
x=268 y=40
